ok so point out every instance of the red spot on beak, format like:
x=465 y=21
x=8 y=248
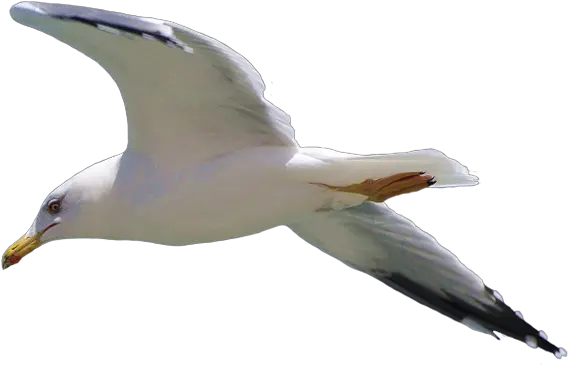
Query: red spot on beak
x=14 y=259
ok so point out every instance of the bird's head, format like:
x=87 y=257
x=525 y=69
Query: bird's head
x=78 y=208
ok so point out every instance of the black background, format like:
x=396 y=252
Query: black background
x=482 y=86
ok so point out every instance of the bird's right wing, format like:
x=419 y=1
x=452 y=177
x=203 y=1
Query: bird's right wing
x=188 y=97
x=374 y=239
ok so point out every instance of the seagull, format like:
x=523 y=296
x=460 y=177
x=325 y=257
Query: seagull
x=210 y=159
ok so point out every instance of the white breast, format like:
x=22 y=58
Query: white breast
x=236 y=195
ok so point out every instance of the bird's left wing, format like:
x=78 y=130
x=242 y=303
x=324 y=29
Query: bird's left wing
x=374 y=239
x=186 y=94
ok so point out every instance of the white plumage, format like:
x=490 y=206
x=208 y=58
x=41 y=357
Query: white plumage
x=209 y=158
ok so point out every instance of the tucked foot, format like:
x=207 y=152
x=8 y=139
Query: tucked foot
x=379 y=190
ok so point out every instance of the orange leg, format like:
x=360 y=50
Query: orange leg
x=380 y=190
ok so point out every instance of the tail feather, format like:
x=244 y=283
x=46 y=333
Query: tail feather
x=343 y=168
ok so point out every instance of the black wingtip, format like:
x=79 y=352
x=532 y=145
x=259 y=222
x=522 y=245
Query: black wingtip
x=497 y=317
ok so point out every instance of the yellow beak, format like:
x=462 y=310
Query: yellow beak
x=20 y=248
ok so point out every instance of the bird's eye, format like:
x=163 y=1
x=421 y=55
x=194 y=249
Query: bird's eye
x=54 y=206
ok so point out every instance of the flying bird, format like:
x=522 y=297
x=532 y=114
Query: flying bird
x=209 y=159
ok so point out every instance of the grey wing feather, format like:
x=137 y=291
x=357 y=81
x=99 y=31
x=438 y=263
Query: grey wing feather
x=374 y=239
x=185 y=93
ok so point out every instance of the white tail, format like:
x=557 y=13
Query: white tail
x=337 y=168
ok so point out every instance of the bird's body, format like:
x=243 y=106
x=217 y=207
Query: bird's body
x=207 y=202
x=209 y=159
x=217 y=201
x=232 y=195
